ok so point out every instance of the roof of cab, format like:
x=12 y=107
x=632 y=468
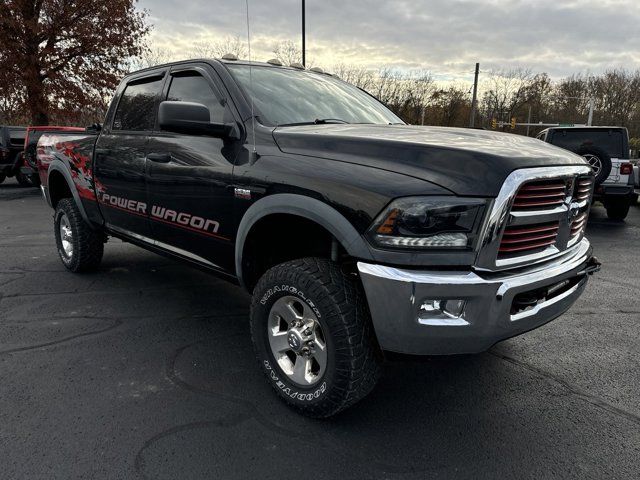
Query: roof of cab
x=224 y=62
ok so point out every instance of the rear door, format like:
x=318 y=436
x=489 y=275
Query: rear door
x=189 y=177
x=120 y=156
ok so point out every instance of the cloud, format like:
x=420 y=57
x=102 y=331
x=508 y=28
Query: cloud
x=446 y=37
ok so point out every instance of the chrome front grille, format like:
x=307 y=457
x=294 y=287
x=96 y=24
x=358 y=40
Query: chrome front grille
x=583 y=188
x=542 y=195
x=578 y=225
x=521 y=240
x=540 y=213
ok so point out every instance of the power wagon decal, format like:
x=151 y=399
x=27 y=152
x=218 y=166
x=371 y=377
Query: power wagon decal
x=157 y=213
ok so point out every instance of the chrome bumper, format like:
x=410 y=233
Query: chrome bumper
x=396 y=295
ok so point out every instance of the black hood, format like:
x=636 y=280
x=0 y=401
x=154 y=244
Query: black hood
x=465 y=161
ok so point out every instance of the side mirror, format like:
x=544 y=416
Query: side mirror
x=191 y=118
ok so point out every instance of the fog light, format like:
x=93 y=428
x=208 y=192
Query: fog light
x=442 y=312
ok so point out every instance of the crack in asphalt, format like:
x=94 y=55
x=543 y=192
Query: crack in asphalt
x=106 y=292
x=577 y=311
x=139 y=463
x=253 y=412
x=590 y=398
x=4 y=283
x=618 y=283
x=90 y=333
x=116 y=323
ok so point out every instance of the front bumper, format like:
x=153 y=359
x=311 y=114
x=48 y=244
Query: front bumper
x=396 y=295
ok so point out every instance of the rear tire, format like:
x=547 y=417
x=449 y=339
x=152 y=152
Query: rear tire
x=617 y=208
x=31 y=180
x=2 y=177
x=329 y=308
x=79 y=247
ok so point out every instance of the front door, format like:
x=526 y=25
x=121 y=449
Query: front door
x=189 y=177
x=120 y=158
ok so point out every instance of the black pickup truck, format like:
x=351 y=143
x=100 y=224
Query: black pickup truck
x=355 y=233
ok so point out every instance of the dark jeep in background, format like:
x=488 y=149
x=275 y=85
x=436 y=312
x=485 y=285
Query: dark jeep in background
x=606 y=149
x=11 y=156
x=355 y=233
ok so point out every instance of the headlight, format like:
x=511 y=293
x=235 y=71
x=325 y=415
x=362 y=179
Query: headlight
x=428 y=222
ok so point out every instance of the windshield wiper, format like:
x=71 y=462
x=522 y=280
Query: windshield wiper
x=317 y=121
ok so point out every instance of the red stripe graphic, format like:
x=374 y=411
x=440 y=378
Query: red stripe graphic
x=161 y=220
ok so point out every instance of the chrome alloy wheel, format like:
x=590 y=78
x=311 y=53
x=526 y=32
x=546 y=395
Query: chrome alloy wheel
x=66 y=236
x=297 y=341
x=594 y=161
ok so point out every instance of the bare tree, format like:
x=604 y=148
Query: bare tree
x=356 y=75
x=149 y=58
x=217 y=49
x=505 y=93
x=288 y=52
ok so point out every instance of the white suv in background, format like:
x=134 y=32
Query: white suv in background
x=606 y=149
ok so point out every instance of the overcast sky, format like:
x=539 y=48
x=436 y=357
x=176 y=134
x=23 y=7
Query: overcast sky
x=446 y=37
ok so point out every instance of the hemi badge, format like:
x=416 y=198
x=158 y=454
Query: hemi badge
x=243 y=193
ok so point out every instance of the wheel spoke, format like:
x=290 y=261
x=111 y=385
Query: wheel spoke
x=284 y=312
x=300 y=370
x=320 y=356
x=279 y=342
x=308 y=313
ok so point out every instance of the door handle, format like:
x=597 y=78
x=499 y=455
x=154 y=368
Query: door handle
x=159 y=157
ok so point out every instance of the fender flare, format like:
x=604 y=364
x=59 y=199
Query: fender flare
x=306 y=207
x=59 y=166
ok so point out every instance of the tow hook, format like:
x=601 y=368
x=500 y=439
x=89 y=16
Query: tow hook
x=593 y=266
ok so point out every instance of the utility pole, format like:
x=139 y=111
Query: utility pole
x=528 y=120
x=304 y=46
x=472 y=120
x=590 y=119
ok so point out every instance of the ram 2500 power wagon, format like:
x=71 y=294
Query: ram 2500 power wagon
x=355 y=233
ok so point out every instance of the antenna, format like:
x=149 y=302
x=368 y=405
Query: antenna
x=254 y=154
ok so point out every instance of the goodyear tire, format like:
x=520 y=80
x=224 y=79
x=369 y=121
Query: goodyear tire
x=313 y=336
x=79 y=247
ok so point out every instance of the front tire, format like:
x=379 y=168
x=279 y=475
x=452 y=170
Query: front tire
x=617 y=208
x=79 y=247
x=313 y=336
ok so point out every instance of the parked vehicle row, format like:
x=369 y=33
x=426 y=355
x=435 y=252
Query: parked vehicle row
x=12 y=141
x=355 y=233
x=18 y=152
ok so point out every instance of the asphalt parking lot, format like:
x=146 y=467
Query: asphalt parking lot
x=145 y=370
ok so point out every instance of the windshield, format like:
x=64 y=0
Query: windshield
x=611 y=141
x=287 y=96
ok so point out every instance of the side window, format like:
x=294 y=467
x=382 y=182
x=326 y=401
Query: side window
x=136 y=109
x=193 y=87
